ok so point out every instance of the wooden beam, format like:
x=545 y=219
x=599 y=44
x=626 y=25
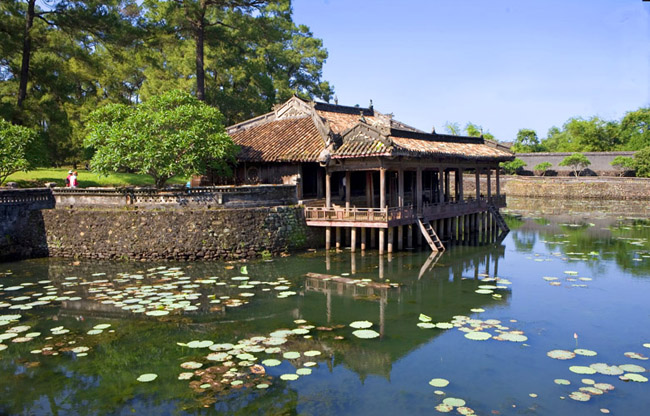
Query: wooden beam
x=382 y=188
x=418 y=191
x=328 y=189
x=346 y=187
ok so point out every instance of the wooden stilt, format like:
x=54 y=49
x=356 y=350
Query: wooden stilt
x=353 y=239
x=409 y=236
x=390 y=239
x=363 y=238
x=338 y=238
x=328 y=238
x=381 y=240
x=400 y=237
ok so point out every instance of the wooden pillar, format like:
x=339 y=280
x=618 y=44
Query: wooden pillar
x=409 y=236
x=373 y=242
x=489 y=184
x=498 y=183
x=400 y=187
x=400 y=237
x=347 y=191
x=478 y=183
x=441 y=188
x=353 y=239
x=390 y=239
x=328 y=189
x=461 y=197
x=381 y=240
x=328 y=238
x=338 y=238
x=363 y=238
x=447 y=190
x=418 y=191
x=382 y=188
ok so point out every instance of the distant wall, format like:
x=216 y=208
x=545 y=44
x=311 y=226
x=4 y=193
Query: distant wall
x=20 y=214
x=169 y=234
x=578 y=188
x=600 y=162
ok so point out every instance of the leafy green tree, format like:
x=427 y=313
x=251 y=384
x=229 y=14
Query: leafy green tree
x=622 y=164
x=526 y=142
x=14 y=149
x=167 y=135
x=543 y=167
x=577 y=162
x=642 y=162
x=452 y=128
x=513 y=167
x=474 y=130
x=635 y=129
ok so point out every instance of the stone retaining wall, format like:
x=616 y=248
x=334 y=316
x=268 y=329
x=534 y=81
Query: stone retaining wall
x=17 y=206
x=578 y=188
x=168 y=234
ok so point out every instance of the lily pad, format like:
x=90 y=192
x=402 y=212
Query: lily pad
x=635 y=377
x=478 y=336
x=289 y=377
x=145 y=378
x=580 y=396
x=361 y=324
x=561 y=354
x=631 y=368
x=157 y=313
x=303 y=371
x=581 y=369
x=444 y=325
x=452 y=401
x=425 y=318
x=426 y=325
x=271 y=362
x=291 y=355
x=439 y=382
x=562 y=381
x=586 y=353
x=311 y=353
x=365 y=333
x=609 y=370
x=444 y=408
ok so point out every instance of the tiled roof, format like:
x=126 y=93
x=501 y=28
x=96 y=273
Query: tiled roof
x=407 y=146
x=291 y=134
x=287 y=140
x=339 y=122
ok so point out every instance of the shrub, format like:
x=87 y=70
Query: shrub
x=542 y=168
x=577 y=162
x=512 y=167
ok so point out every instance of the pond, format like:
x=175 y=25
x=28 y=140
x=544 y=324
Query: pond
x=554 y=319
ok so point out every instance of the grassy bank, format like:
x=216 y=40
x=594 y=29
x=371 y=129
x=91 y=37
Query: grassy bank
x=39 y=177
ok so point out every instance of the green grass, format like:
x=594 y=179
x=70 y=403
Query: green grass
x=38 y=178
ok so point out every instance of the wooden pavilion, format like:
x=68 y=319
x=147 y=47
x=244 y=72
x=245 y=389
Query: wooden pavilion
x=362 y=172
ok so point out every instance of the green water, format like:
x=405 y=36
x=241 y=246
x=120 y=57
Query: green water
x=600 y=305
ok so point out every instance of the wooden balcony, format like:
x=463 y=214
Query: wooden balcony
x=339 y=216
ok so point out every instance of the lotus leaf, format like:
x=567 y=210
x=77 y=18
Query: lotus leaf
x=361 y=324
x=439 y=382
x=452 y=401
x=291 y=355
x=586 y=353
x=145 y=378
x=635 y=377
x=581 y=369
x=478 y=336
x=289 y=377
x=365 y=333
x=561 y=354
x=632 y=368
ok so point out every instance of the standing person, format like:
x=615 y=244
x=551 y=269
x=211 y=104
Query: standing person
x=67 y=179
x=73 y=180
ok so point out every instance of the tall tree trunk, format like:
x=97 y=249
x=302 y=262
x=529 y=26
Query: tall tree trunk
x=200 y=70
x=27 y=48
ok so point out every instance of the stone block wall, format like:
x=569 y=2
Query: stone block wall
x=169 y=234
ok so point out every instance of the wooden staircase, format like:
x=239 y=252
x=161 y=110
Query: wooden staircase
x=431 y=236
x=499 y=219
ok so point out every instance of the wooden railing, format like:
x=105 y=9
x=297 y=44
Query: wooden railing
x=407 y=214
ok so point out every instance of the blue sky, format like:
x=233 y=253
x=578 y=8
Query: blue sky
x=502 y=64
